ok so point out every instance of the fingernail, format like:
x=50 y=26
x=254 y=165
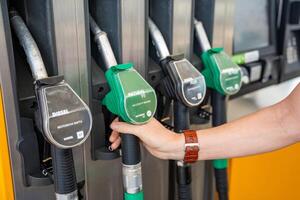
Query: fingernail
x=112 y=125
x=110 y=148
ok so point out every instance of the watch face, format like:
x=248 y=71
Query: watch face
x=230 y=74
x=66 y=119
x=190 y=81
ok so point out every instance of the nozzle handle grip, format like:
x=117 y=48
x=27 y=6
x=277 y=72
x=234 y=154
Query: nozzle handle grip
x=184 y=180
x=184 y=192
x=131 y=154
x=64 y=170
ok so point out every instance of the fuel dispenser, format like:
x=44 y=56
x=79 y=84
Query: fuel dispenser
x=224 y=77
x=289 y=39
x=134 y=101
x=60 y=115
x=186 y=87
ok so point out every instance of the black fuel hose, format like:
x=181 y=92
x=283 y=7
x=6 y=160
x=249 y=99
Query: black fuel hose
x=183 y=171
x=218 y=118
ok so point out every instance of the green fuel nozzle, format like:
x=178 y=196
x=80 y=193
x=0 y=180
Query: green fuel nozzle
x=134 y=101
x=130 y=96
x=220 y=72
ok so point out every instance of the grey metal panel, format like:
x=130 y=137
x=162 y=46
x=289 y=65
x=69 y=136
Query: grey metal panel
x=71 y=43
x=155 y=177
x=224 y=24
x=9 y=96
x=183 y=16
x=7 y=78
x=104 y=179
x=134 y=14
x=198 y=172
x=72 y=61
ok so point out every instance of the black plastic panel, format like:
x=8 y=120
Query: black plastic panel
x=289 y=35
x=39 y=19
x=101 y=12
x=30 y=151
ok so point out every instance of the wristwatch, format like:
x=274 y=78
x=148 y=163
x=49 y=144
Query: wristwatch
x=192 y=146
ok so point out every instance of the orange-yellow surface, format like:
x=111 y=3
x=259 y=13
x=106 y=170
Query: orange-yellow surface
x=271 y=176
x=6 y=187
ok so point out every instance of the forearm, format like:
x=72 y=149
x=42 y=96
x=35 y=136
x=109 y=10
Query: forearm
x=267 y=130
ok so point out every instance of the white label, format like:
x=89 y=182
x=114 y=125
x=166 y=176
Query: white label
x=251 y=56
x=149 y=113
x=199 y=96
x=60 y=113
x=80 y=134
x=142 y=93
x=68 y=138
x=69 y=124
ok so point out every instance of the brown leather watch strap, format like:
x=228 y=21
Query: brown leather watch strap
x=191 y=146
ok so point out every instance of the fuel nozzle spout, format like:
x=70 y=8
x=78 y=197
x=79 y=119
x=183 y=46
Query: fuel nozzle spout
x=31 y=50
x=201 y=36
x=103 y=44
x=158 y=40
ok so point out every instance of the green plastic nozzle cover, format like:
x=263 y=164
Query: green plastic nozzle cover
x=220 y=72
x=130 y=96
x=137 y=196
x=220 y=164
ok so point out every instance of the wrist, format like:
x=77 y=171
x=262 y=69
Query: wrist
x=178 y=150
x=192 y=146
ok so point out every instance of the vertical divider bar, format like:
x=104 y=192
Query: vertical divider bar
x=69 y=23
x=9 y=100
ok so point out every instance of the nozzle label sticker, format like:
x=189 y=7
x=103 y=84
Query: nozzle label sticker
x=149 y=113
x=59 y=113
x=80 y=134
x=68 y=138
x=66 y=120
x=140 y=98
x=229 y=72
x=192 y=83
x=251 y=56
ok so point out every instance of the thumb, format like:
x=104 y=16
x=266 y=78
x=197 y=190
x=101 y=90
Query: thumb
x=123 y=127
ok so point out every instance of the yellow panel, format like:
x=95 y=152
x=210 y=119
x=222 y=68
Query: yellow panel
x=6 y=186
x=274 y=176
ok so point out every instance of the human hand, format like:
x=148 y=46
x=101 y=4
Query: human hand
x=158 y=140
